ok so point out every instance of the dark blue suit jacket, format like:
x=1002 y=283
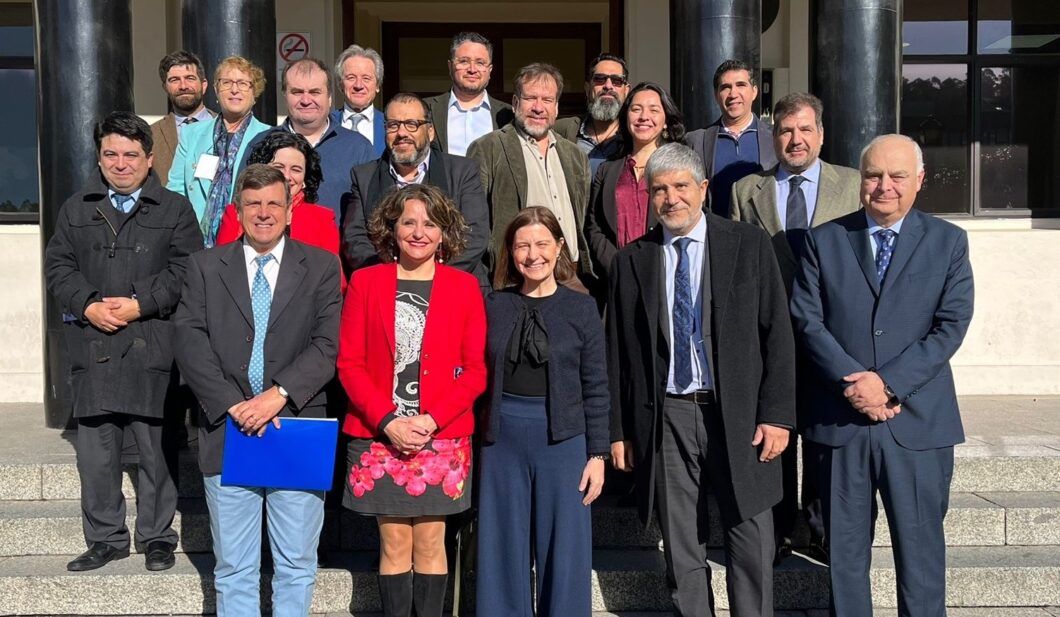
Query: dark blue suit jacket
x=907 y=331
x=378 y=130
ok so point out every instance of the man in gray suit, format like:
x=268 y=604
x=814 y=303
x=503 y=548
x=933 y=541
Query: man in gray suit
x=184 y=80
x=527 y=164
x=737 y=143
x=801 y=191
x=467 y=111
x=236 y=297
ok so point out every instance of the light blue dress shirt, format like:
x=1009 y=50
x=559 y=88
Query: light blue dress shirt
x=466 y=125
x=874 y=227
x=135 y=196
x=702 y=379
x=202 y=115
x=809 y=190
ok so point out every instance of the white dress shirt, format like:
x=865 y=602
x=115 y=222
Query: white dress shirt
x=272 y=269
x=466 y=125
x=365 y=127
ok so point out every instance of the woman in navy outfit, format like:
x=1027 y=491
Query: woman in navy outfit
x=545 y=430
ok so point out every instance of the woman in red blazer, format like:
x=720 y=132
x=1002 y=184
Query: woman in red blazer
x=310 y=223
x=412 y=361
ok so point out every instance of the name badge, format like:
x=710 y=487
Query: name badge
x=206 y=168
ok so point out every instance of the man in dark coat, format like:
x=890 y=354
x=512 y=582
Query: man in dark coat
x=411 y=159
x=700 y=343
x=116 y=265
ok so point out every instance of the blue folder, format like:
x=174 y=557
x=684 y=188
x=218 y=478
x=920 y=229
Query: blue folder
x=300 y=455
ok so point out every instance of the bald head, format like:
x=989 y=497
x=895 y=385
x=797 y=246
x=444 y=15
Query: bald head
x=892 y=172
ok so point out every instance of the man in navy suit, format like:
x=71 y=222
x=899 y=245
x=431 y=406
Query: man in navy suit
x=359 y=70
x=881 y=303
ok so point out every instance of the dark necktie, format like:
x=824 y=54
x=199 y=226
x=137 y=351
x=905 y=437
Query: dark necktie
x=795 y=219
x=190 y=120
x=884 y=250
x=683 y=319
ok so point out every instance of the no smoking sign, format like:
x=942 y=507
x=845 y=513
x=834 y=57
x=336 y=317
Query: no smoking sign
x=291 y=47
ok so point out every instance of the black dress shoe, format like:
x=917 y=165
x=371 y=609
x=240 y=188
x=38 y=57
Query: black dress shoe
x=97 y=556
x=783 y=552
x=159 y=556
x=818 y=550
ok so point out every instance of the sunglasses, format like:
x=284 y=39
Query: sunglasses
x=600 y=79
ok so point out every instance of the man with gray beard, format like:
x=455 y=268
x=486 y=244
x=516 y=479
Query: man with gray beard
x=596 y=133
x=409 y=158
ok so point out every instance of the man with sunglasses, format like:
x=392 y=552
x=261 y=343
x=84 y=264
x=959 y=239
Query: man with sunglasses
x=467 y=111
x=596 y=133
x=411 y=158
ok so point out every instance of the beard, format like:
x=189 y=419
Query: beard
x=185 y=104
x=413 y=158
x=536 y=133
x=605 y=109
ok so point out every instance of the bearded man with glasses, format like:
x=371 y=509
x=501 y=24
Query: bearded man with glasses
x=412 y=158
x=596 y=133
x=467 y=111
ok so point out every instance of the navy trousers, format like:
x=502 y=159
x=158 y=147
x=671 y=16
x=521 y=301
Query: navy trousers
x=914 y=486
x=529 y=501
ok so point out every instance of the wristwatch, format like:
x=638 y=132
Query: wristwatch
x=282 y=392
x=891 y=396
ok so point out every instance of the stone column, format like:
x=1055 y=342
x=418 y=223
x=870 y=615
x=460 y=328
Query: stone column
x=857 y=73
x=703 y=34
x=216 y=29
x=84 y=71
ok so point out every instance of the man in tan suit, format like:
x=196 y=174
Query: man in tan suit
x=798 y=193
x=184 y=80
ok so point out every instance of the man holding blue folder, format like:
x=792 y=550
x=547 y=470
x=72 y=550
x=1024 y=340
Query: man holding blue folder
x=257 y=330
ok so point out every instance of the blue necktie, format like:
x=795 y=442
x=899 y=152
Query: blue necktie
x=795 y=218
x=122 y=203
x=884 y=250
x=683 y=319
x=261 y=301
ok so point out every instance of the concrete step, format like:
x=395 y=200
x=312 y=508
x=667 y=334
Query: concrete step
x=622 y=581
x=986 y=519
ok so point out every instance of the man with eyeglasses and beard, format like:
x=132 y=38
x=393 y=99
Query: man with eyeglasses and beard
x=467 y=111
x=596 y=133
x=184 y=80
x=409 y=158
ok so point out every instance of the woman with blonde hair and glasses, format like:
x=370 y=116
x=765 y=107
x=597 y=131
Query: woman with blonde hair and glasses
x=546 y=429
x=411 y=359
x=208 y=153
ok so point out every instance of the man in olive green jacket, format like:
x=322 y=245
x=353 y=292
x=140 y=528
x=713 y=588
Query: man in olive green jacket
x=526 y=164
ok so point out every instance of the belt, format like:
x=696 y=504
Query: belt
x=699 y=397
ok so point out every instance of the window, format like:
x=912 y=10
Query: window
x=986 y=119
x=19 y=184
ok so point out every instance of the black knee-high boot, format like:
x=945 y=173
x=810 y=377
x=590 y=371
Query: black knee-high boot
x=395 y=594
x=428 y=594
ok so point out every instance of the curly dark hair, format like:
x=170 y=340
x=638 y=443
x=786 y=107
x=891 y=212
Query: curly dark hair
x=675 y=120
x=278 y=139
x=440 y=210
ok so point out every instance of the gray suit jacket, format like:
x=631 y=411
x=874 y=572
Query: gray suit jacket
x=500 y=111
x=164 y=134
x=503 y=173
x=754 y=200
x=214 y=338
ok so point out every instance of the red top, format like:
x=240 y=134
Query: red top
x=631 y=204
x=310 y=223
x=452 y=355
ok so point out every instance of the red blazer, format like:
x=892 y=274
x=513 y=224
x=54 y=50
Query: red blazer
x=452 y=357
x=315 y=225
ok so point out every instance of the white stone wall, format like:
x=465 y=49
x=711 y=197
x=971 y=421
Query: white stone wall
x=21 y=326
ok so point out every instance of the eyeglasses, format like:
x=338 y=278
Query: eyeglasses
x=600 y=79
x=239 y=84
x=410 y=125
x=465 y=63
